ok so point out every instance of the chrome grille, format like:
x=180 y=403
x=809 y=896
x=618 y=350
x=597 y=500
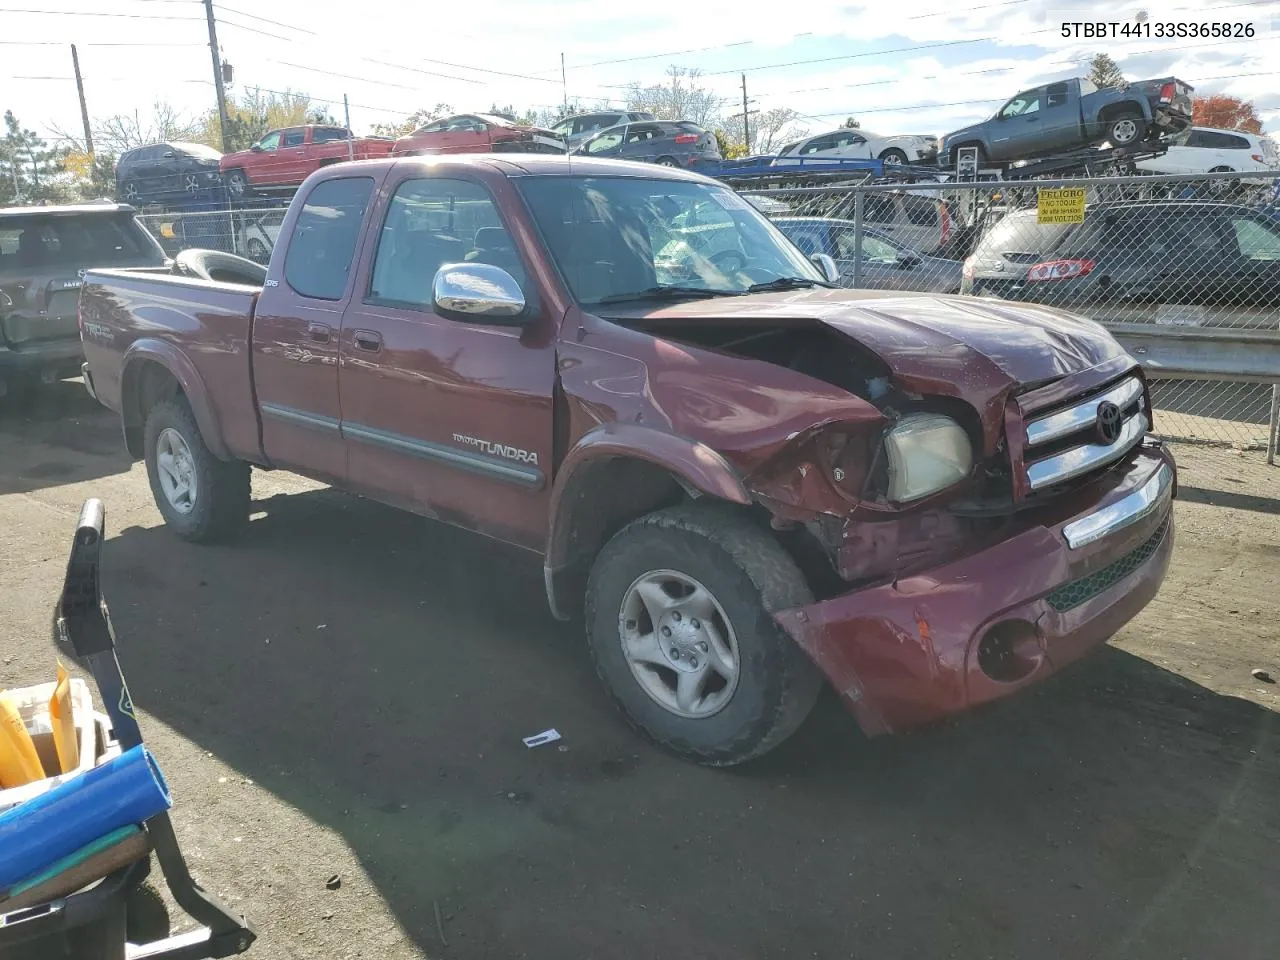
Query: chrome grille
x=1066 y=444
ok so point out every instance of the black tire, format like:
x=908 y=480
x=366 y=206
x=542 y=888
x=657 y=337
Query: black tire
x=667 y=162
x=217 y=265
x=130 y=193
x=238 y=184
x=1125 y=129
x=146 y=916
x=221 y=503
x=893 y=155
x=750 y=576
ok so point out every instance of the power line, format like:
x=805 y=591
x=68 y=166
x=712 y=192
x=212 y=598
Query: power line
x=254 y=16
x=60 y=43
x=379 y=83
x=248 y=29
x=86 y=13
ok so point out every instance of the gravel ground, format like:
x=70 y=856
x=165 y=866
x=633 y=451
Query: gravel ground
x=344 y=691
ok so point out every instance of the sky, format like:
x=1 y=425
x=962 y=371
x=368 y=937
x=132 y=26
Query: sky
x=931 y=68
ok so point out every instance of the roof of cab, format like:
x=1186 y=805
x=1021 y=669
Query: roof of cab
x=67 y=209
x=535 y=165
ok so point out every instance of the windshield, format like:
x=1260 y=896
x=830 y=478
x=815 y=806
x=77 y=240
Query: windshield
x=618 y=237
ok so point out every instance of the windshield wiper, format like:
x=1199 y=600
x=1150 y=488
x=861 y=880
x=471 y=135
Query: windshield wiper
x=787 y=283
x=669 y=293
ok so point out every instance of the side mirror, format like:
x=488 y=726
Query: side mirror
x=256 y=148
x=827 y=265
x=478 y=292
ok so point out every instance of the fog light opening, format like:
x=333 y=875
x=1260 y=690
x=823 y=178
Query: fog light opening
x=1009 y=651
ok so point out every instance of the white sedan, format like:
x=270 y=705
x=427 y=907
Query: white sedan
x=1206 y=150
x=850 y=143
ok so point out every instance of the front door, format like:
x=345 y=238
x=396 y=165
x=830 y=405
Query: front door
x=296 y=326
x=1019 y=131
x=292 y=157
x=446 y=418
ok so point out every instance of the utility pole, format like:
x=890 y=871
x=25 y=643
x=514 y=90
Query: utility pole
x=746 y=128
x=84 y=107
x=346 y=118
x=564 y=85
x=223 y=120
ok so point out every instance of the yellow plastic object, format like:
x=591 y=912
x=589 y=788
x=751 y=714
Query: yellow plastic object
x=19 y=763
x=65 y=738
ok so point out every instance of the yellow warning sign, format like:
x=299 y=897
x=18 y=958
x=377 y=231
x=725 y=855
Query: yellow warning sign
x=1061 y=205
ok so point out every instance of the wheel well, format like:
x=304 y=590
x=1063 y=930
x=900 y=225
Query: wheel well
x=146 y=383
x=1113 y=111
x=605 y=495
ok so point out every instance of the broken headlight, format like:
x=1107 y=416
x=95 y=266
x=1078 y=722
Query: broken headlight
x=926 y=453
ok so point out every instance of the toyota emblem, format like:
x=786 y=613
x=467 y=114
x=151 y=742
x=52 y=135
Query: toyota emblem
x=1108 y=422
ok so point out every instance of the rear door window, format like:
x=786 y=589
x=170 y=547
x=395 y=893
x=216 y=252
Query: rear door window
x=293 y=138
x=328 y=134
x=323 y=244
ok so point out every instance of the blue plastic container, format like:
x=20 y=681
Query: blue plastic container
x=36 y=834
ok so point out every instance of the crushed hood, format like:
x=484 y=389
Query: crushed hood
x=935 y=343
x=975 y=349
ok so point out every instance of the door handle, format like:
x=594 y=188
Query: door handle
x=319 y=332
x=369 y=340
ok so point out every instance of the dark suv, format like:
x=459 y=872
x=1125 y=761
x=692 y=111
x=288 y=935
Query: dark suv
x=1169 y=261
x=168 y=171
x=671 y=143
x=44 y=251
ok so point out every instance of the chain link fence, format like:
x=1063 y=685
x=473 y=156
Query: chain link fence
x=247 y=231
x=1133 y=253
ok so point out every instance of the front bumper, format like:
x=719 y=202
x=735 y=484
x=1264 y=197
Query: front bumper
x=982 y=627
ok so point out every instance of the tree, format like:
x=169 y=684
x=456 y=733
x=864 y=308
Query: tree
x=770 y=129
x=1225 y=113
x=256 y=112
x=419 y=118
x=851 y=123
x=682 y=97
x=124 y=132
x=1104 y=72
x=30 y=171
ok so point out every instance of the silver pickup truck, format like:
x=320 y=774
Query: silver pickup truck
x=1074 y=113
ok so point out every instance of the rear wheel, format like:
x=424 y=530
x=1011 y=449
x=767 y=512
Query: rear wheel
x=130 y=191
x=1126 y=129
x=680 y=627
x=200 y=497
x=258 y=250
x=667 y=162
x=893 y=155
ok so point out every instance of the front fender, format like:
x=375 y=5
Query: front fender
x=694 y=465
x=184 y=371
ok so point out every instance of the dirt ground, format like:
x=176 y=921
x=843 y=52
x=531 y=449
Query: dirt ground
x=345 y=691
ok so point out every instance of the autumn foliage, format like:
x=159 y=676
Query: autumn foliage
x=1225 y=113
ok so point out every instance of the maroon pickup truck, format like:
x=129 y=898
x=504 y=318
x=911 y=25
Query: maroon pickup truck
x=747 y=482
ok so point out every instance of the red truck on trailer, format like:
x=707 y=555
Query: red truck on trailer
x=746 y=481
x=286 y=157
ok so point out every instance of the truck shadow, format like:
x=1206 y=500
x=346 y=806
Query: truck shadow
x=57 y=434
x=377 y=672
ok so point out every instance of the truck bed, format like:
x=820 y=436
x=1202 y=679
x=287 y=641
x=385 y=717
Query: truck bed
x=202 y=327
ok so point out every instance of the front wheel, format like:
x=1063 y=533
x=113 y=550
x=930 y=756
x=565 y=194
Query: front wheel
x=680 y=627
x=200 y=497
x=237 y=184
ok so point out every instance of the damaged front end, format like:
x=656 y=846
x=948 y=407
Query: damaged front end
x=931 y=499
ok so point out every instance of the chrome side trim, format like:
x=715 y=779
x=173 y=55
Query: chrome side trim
x=478 y=463
x=1066 y=422
x=299 y=418
x=1146 y=500
x=1082 y=459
